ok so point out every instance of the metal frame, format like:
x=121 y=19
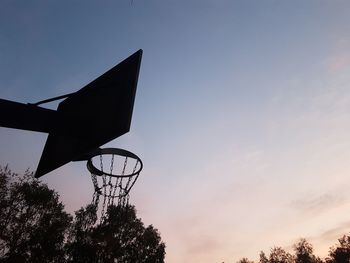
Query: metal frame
x=52 y=99
x=112 y=151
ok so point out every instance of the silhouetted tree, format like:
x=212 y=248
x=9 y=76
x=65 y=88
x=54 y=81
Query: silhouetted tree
x=35 y=228
x=80 y=246
x=304 y=252
x=33 y=222
x=279 y=255
x=263 y=258
x=341 y=253
x=121 y=237
x=245 y=260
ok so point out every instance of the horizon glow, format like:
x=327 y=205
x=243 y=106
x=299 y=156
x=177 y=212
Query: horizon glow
x=241 y=115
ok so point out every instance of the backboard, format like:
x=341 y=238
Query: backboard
x=98 y=113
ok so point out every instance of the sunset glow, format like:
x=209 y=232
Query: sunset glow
x=241 y=118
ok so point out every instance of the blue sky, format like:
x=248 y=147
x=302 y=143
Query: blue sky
x=241 y=115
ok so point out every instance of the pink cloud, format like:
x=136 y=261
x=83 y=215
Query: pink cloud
x=203 y=246
x=339 y=62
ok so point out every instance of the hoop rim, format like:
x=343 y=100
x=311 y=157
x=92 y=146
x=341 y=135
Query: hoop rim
x=112 y=151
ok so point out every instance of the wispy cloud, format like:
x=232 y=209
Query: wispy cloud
x=318 y=204
x=336 y=232
x=203 y=245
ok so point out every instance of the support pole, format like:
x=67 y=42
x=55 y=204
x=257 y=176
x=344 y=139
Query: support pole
x=26 y=116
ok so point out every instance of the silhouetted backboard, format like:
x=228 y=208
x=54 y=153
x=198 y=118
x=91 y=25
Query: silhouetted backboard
x=98 y=113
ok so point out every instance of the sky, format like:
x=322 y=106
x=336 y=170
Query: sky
x=241 y=115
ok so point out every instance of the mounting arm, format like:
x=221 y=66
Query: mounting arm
x=26 y=116
x=52 y=99
x=29 y=116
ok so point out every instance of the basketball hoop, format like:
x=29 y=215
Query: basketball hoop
x=117 y=173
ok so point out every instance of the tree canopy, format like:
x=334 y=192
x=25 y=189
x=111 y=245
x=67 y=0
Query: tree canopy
x=34 y=227
x=340 y=253
x=303 y=253
x=120 y=237
x=33 y=222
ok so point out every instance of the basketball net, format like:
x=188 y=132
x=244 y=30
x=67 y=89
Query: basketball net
x=117 y=173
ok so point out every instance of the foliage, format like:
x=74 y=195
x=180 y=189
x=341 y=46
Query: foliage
x=304 y=252
x=120 y=237
x=80 y=246
x=245 y=260
x=35 y=228
x=33 y=222
x=341 y=253
x=263 y=258
x=279 y=255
